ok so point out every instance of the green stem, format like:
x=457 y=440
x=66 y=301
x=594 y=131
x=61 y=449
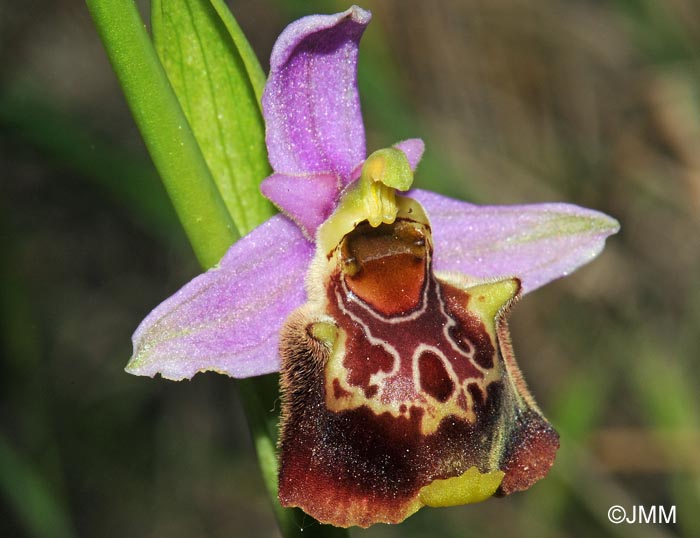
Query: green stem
x=164 y=128
x=199 y=206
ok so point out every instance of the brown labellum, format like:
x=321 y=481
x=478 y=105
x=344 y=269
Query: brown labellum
x=399 y=386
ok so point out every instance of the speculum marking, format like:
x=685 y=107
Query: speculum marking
x=414 y=351
x=434 y=379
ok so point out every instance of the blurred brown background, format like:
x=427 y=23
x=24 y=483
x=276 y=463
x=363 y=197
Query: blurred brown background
x=583 y=101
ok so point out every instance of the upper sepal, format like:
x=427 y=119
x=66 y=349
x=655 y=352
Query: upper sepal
x=311 y=103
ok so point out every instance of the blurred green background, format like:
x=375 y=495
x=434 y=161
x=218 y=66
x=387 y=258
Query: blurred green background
x=584 y=101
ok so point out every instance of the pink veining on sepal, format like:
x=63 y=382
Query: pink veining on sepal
x=311 y=104
x=227 y=320
x=537 y=243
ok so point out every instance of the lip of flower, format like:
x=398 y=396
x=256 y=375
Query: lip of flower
x=394 y=395
x=228 y=319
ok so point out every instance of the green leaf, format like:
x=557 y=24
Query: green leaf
x=206 y=68
x=165 y=129
x=255 y=73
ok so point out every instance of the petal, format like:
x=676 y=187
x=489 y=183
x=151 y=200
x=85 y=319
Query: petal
x=307 y=200
x=537 y=243
x=311 y=104
x=413 y=148
x=227 y=319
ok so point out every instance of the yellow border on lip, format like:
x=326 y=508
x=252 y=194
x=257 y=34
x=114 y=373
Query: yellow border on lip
x=469 y=487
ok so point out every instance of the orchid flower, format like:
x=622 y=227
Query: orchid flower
x=385 y=312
